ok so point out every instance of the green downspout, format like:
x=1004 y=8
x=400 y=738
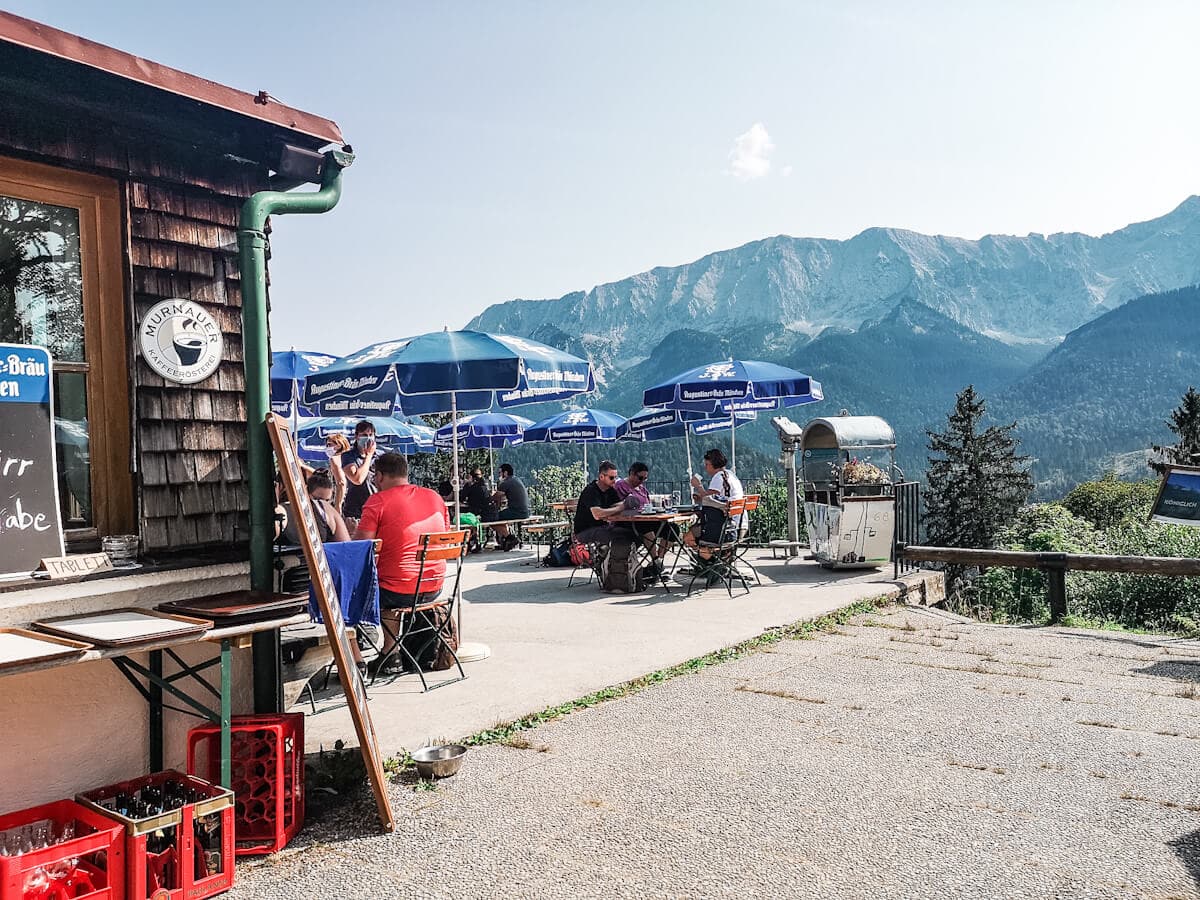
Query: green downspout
x=252 y=247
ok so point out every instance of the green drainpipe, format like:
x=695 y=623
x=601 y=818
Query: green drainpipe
x=252 y=246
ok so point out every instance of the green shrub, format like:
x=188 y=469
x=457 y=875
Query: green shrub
x=1108 y=501
x=551 y=483
x=1145 y=601
x=1156 y=602
x=1005 y=594
x=769 y=521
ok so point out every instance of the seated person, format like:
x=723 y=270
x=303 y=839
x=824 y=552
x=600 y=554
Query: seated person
x=634 y=485
x=446 y=490
x=723 y=486
x=511 y=491
x=476 y=499
x=330 y=524
x=399 y=513
x=598 y=502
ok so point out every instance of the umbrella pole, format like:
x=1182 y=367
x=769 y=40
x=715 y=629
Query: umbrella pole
x=585 y=468
x=467 y=652
x=687 y=445
x=732 y=442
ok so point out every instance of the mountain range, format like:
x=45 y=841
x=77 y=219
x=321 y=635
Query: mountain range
x=1086 y=342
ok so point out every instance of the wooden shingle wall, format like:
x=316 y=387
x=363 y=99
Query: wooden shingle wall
x=182 y=208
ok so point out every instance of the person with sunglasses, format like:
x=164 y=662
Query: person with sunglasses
x=634 y=485
x=598 y=502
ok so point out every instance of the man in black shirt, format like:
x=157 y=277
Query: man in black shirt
x=476 y=497
x=597 y=503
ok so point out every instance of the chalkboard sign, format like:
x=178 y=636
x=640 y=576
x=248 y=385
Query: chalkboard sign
x=353 y=685
x=1178 y=501
x=30 y=526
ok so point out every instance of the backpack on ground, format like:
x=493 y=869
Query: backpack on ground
x=622 y=570
x=559 y=555
x=579 y=554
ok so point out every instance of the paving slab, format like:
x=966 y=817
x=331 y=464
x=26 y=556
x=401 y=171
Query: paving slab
x=910 y=753
x=551 y=644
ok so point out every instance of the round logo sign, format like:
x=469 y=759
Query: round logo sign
x=180 y=341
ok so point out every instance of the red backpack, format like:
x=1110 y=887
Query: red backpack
x=579 y=554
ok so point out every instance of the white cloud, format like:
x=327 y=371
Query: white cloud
x=785 y=171
x=750 y=157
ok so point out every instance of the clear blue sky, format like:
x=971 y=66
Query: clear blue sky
x=530 y=149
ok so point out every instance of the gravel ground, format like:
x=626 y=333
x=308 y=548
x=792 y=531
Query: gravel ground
x=909 y=754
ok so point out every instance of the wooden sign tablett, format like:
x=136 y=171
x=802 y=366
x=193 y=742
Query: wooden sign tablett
x=353 y=686
x=122 y=627
x=19 y=647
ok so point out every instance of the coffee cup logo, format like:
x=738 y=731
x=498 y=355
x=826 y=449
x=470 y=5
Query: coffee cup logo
x=180 y=341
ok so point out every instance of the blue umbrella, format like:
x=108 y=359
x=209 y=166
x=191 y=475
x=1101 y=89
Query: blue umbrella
x=576 y=426
x=650 y=424
x=485 y=431
x=289 y=368
x=734 y=386
x=449 y=371
x=445 y=371
x=390 y=433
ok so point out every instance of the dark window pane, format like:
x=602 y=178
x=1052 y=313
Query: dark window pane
x=41 y=280
x=71 y=447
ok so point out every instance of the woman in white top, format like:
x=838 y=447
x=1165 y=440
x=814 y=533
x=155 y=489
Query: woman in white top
x=723 y=486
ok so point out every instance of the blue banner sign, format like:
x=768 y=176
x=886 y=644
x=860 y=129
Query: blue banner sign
x=30 y=525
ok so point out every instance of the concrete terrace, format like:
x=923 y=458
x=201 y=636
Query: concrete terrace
x=908 y=754
x=551 y=644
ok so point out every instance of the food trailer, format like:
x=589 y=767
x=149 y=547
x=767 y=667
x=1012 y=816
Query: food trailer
x=848 y=469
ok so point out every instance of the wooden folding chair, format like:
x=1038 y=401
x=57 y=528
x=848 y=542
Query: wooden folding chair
x=434 y=617
x=740 y=557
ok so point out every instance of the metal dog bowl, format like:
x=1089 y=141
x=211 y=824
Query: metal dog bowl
x=439 y=762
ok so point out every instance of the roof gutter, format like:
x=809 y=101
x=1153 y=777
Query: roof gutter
x=252 y=256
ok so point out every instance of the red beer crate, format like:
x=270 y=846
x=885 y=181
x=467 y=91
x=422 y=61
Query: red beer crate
x=267 y=776
x=185 y=853
x=91 y=865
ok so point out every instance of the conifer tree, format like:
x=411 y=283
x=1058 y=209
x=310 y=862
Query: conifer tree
x=1185 y=424
x=977 y=483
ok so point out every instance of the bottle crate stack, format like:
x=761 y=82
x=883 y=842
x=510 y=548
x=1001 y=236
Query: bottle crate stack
x=267 y=755
x=61 y=851
x=179 y=834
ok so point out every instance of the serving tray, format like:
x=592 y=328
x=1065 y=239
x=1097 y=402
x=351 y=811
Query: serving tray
x=238 y=607
x=19 y=647
x=122 y=627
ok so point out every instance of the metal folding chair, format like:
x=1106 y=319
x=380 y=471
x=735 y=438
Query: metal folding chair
x=595 y=554
x=432 y=617
x=721 y=560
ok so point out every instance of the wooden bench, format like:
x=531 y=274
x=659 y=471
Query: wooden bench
x=786 y=546
x=306 y=653
x=517 y=525
x=546 y=530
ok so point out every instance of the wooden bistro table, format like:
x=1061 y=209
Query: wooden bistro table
x=663 y=520
x=152 y=684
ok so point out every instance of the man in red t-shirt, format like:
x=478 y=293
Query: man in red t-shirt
x=398 y=515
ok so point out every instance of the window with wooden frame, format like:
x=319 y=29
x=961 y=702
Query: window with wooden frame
x=62 y=286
